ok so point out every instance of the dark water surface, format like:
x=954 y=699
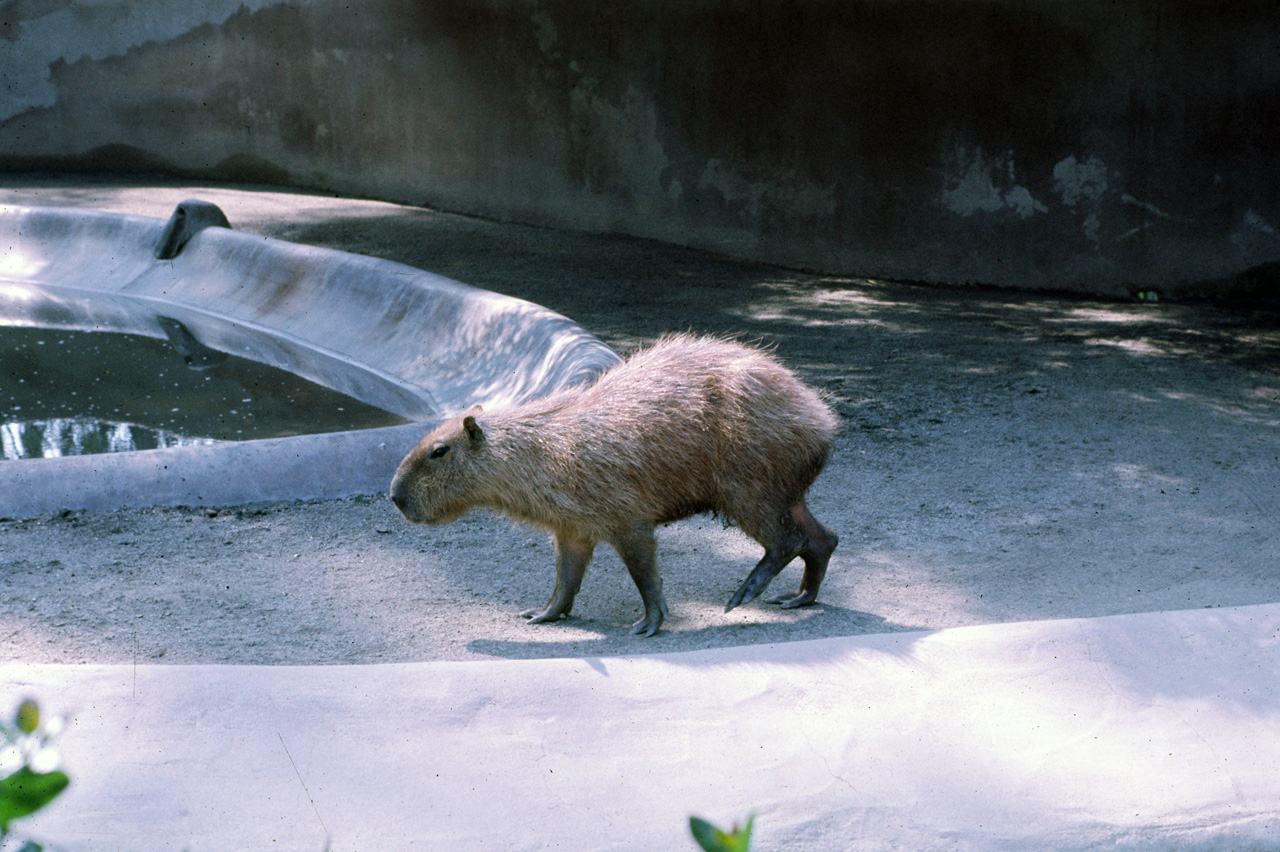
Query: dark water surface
x=72 y=393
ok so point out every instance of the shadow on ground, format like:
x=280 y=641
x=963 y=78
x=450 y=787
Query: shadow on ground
x=1005 y=456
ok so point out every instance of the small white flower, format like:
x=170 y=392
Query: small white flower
x=44 y=760
x=10 y=760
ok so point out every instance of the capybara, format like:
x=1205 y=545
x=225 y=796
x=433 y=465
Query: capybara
x=687 y=425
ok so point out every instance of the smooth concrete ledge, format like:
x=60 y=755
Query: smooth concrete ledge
x=1154 y=731
x=405 y=340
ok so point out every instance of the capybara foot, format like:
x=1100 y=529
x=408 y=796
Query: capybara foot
x=745 y=593
x=654 y=614
x=647 y=626
x=792 y=600
x=820 y=543
x=775 y=559
x=750 y=588
x=541 y=615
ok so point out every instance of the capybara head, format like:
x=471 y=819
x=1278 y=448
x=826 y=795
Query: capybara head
x=433 y=483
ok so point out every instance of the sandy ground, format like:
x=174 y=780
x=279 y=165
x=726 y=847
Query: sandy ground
x=1004 y=457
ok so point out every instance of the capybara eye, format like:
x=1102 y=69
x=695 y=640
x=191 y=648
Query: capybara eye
x=438 y=451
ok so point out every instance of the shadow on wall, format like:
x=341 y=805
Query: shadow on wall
x=1101 y=148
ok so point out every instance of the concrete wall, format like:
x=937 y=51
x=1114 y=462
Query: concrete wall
x=1103 y=147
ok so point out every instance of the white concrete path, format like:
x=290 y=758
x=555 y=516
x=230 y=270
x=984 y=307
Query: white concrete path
x=1150 y=731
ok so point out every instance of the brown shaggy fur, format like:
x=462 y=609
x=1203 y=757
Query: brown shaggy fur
x=688 y=425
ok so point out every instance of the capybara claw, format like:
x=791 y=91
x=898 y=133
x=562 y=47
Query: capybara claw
x=541 y=615
x=646 y=627
x=745 y=593
x=793 y=600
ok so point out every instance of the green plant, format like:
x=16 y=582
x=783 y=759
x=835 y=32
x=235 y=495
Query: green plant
x=713 y=839
x=28 y=744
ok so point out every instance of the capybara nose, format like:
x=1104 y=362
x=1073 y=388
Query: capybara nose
x=398 y=495
x=404 y=501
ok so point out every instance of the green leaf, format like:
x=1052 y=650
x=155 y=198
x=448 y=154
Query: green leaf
x=25 y=792
x=712 y=839
x=743 y=835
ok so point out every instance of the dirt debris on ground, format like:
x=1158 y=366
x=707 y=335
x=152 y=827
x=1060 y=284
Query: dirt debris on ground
x=1005 y=456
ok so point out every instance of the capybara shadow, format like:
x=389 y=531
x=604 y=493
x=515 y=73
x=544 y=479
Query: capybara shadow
x=687 y=425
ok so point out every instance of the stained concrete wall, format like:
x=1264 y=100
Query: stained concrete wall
x=1107 y=148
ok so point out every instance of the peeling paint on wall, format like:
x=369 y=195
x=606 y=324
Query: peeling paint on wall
x=52 y=33
x=972 y=186
x=1078 y=182
x=1020 y=201
x=1254 y=233
x=1255 y=222
x=617 y=140
x=1145 y=206
x=784 y=191
x=544 y=31
x=1081 y=185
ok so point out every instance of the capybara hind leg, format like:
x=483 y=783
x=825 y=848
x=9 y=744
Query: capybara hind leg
x=572 y=556
x=790 y=541
x=820 y=543
x=639 y=553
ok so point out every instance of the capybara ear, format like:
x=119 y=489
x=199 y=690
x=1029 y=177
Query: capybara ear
x=473 y=430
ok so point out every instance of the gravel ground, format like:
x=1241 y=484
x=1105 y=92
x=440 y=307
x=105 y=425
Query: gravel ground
x=1005 y=456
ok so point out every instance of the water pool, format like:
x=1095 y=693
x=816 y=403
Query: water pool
x=74 y=393
x=399 y=339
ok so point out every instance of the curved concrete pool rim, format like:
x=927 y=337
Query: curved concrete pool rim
x=408 y=341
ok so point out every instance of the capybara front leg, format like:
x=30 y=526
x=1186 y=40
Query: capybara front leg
x=639 y=553
x=572 y=556
x=820 y=543
x=790 y=541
